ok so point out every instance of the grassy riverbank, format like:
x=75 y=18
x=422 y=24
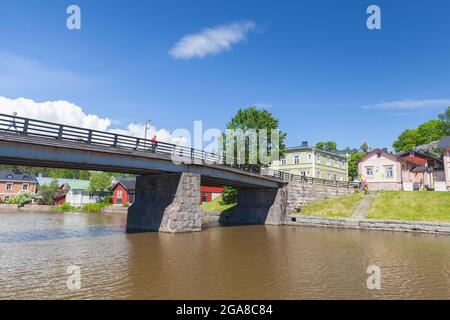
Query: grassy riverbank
x=392 y=205
x=216 y=205
x=341 y=207
x=411 y=206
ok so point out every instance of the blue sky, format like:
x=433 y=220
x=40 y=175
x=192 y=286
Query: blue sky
x=313 y=64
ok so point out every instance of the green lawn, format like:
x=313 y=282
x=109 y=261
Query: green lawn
x=342 y=206
x=413 y=206
x=216 y=205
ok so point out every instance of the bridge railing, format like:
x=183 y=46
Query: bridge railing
x=308 y=180
x=44 y=129
x=49 y=130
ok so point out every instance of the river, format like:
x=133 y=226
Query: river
x=242 y=262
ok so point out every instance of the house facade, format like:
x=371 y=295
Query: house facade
x=12 y=183
x=209 y=193
x=312 y=162
x=444 y=145
x=123 y=190
x=73 y=191
x=381 y=170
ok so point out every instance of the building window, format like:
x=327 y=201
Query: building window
x=318 y=174
x=296 y=159
x=25 y=186
x=334 y=177
x=204 y=197
x=328 y=161
x=119 y=194
x=309 y=156
x=303 y=173
x=9 y=176
x=283 y=161
x=9 y=186
x=369 y=172
x=328 y=175
x=318 y=157
x=7 y=198
x=389 y=172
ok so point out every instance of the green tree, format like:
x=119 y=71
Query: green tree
x=353 y=165
x=445 y=120
x=250 y=119
x=427 y=132
x=99 y=181
x=46 y=193
x=229 y=195
x=364 y=148
x=330 y=146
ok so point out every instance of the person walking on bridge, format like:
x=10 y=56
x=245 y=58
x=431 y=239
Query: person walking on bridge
x=13 y=123
x=154 y=143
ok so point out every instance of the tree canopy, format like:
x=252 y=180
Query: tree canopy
x=330 y=146
x=99 y=181
x=253 y=118
x=427 y=132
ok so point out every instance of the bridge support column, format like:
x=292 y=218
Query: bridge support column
x=258 y=206
x=166 y=203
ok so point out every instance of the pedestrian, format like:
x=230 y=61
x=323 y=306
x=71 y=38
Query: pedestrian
x=13 y=123
x=154 y=143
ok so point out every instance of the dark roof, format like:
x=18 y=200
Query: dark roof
x=17 y=176
x=422 y=169
x=444 y=143
x=129 y=183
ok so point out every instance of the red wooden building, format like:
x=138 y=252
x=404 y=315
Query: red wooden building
x=124 y=190
x=209 y=193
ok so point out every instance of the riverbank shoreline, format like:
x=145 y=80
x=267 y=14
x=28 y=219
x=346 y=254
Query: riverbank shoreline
x=212 y=218
x=370 y=224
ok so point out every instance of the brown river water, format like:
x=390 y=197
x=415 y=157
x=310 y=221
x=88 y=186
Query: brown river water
x=242 y=262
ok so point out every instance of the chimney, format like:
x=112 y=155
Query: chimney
x=304 y=143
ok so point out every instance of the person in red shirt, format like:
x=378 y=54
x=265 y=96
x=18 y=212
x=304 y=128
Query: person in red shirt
x=154 y=143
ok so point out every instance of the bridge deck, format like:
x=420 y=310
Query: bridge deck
x=26 y=150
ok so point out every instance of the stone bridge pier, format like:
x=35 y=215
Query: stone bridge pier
x=258 y=206
x=168 y=202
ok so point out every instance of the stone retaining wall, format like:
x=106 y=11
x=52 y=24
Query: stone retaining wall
x=26 y=208
x=301 y=193
x=115 y=209
x=383 y=225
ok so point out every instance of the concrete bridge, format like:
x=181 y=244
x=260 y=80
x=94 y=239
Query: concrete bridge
x=169 y=176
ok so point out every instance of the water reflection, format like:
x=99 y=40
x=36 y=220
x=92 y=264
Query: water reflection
x=248 y=262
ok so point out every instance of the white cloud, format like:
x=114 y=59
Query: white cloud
x=65 y=112
x=211 y=40
x=409 y=104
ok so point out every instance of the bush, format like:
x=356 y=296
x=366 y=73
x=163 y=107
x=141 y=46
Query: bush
x=47 y=193
x=23 y=198
x=94 y=207
x=66 y=207
x=108 y=200
x=229 y=195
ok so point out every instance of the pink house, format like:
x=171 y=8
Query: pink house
x=408 y=171
x=382 y=170
x=444 y=144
